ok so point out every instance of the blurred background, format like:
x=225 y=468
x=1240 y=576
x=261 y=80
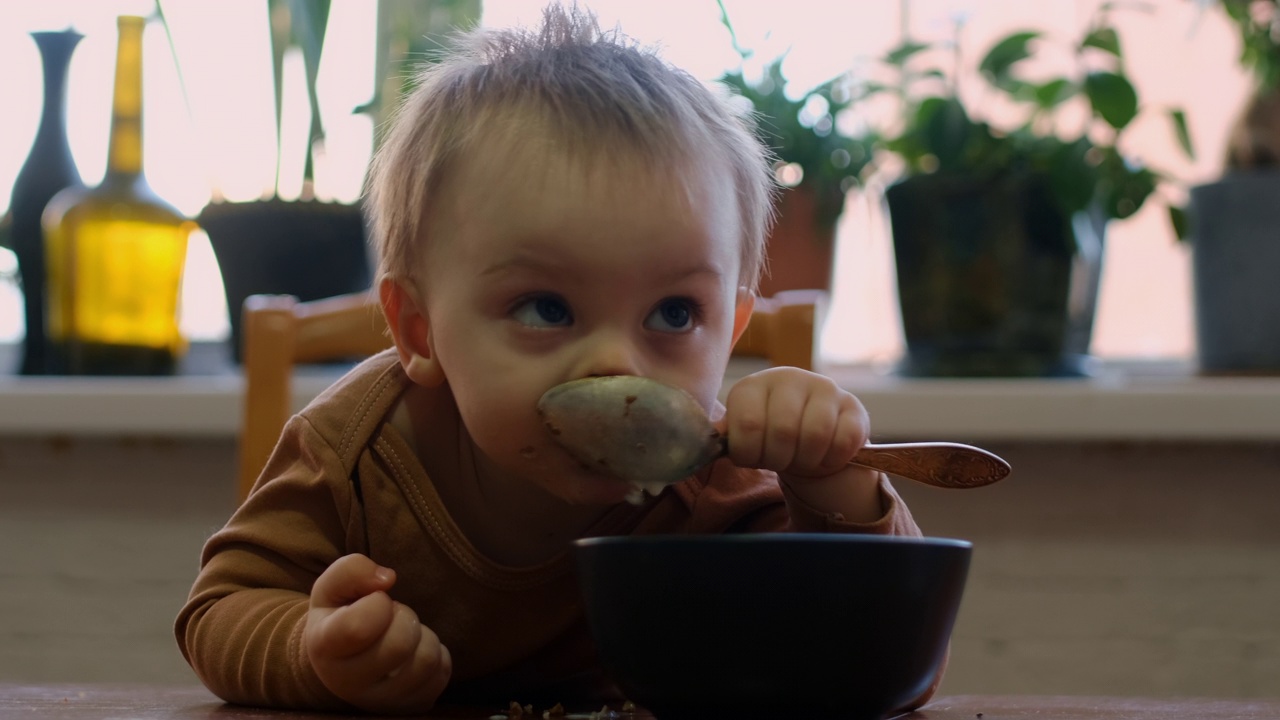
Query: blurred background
x=219 y=141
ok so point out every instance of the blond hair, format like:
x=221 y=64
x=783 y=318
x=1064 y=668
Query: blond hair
x=586 y=87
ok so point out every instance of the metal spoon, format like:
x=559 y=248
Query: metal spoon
x=652 y=435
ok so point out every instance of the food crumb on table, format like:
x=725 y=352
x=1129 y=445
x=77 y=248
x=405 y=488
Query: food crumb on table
x=516 y=711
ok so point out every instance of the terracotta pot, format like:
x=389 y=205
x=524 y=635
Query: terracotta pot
x=800 y=252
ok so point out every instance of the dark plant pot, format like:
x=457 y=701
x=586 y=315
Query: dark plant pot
x=993 y=279
x=309 y=248
x=1235 y=261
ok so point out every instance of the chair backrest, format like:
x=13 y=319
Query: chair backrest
x=280 y=332
x=782 y=328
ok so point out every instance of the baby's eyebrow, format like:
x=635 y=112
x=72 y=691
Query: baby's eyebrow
x=521 y=262
x=541 y=263
x=693 y=271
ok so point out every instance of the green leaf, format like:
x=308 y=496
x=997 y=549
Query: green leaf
x=1180 y=129
x=1020 y=89
x=1237 y=10
x=1073 y=179
x=1053 y=93
x=899 y=55
x=1045 y=96
x=1001 y=58
x=933 y=74
x=1103 y=38
x=869 y=89
x=1180 y=221
x=1112 y=97
x=733 y=34
x=1126 y=187
x=944 y=130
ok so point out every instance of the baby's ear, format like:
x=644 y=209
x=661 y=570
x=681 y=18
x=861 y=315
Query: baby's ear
x=411 y=329
x=743 y=307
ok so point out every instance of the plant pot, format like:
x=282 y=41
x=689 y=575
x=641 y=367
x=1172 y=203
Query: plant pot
x=993 y=279
x=1235 y=260
x=799 y=252
x=308 y=248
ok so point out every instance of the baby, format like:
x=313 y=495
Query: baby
x=548 y=205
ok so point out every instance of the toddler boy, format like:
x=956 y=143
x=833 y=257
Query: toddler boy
x=547 y=206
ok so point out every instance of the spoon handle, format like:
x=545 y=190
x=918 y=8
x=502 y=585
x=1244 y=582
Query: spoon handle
x=941 y=464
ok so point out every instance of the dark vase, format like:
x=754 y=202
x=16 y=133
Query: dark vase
x=48 y=169
x=994 y=280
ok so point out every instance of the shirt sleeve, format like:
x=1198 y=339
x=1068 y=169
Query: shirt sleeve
x=241 y=627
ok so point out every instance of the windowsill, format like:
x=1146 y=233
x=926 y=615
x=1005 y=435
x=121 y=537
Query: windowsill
x=1124 y=401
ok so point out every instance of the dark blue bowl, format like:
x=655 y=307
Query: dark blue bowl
x=772 y=625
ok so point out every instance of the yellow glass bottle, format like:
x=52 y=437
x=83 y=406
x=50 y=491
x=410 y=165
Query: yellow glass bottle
x=115 y=253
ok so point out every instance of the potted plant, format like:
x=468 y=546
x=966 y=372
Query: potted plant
x=816 y=165
x=306 y=247
x=998 y=231
x=1235 y=255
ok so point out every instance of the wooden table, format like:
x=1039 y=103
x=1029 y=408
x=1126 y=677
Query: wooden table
x=146 y=702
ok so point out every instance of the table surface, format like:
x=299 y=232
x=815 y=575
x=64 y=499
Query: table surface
x=143 y=702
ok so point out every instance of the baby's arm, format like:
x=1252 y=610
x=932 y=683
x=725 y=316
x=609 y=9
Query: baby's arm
x=243 y=628
x=368 y=649
x=806 y=428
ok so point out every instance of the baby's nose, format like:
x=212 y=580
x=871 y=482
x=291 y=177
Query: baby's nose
x=610 y=354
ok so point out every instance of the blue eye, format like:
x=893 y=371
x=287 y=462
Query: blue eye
x=673 y=315
x=544 y=311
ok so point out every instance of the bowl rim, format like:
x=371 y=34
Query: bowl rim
x=775 y=538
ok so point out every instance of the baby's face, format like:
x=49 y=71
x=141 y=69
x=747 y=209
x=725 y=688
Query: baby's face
x=541 y=273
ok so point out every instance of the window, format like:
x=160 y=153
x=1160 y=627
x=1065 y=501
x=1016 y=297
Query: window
x=1177 y=53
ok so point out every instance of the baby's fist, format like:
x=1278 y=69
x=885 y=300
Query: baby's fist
x=368 y=649
x=794 y=422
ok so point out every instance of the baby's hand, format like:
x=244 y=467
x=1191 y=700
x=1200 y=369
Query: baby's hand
x=368 y=649
x=794 y=422
x=805 y=428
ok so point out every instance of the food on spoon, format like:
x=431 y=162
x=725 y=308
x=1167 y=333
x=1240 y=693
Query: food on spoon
x=618 y=426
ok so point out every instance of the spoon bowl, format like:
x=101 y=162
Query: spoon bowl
x=652 y=435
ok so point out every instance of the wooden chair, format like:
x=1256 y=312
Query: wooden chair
x=782 y=328
x=280 y=332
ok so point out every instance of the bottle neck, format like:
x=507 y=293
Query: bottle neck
x=124 y=154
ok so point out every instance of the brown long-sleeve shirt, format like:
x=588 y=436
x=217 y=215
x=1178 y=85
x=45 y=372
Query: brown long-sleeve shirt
x=342 y=480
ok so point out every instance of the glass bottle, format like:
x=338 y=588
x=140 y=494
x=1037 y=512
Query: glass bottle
x=115 y=253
